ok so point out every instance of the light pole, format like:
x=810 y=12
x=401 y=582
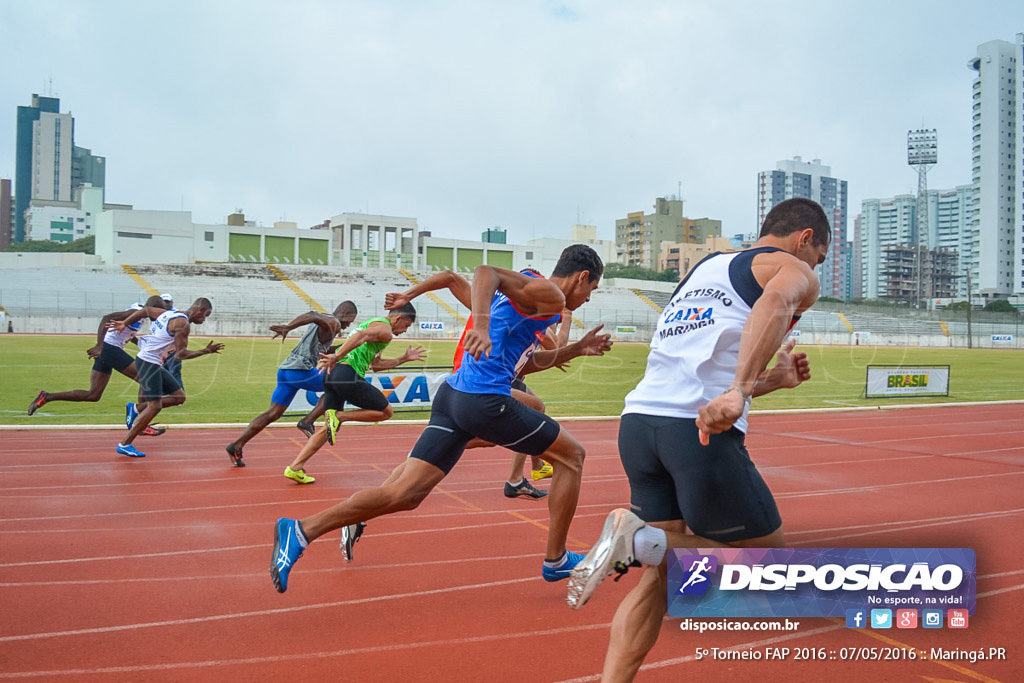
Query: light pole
x=922 y=153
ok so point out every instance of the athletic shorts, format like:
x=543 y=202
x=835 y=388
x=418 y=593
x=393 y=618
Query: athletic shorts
x=716 y=489
x=173 y=366
x=290 y=382
x=456 y=417
x=111 y=358
x=155 y=381
x=349 y=387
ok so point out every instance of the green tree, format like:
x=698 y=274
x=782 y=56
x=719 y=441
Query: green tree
x=959 y=306
x=613 y=270
x=1000 y=306
x=86 y=245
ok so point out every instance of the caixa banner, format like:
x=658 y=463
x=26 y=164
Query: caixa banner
x=817 y=582
x=412 y=389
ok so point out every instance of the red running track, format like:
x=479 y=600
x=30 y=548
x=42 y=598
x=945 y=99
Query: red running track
x=114 y=569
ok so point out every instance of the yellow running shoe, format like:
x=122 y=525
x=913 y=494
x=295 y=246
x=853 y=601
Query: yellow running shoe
x=298 y=476
x=544 y=472
x=332 y=425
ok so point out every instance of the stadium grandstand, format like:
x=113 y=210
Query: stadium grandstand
x=249 y=297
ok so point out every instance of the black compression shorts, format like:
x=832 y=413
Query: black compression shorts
x=456 y=417
x=716 y=489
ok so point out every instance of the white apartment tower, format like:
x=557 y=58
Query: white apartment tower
x=997 y=170
x=892 y=222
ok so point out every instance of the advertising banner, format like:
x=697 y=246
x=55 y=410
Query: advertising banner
x=819 y=582
x=412 y=389
x=892 y=380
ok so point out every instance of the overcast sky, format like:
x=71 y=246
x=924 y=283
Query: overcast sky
x=529 y=115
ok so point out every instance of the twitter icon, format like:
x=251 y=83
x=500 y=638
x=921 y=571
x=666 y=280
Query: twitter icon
x=881 y=618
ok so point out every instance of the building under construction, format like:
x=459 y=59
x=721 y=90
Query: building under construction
x=915 y=274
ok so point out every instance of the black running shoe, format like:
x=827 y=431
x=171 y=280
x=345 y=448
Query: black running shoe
x=523 y=490
x=152 y=431
x=303 y=426
x=236 y=455
x=38 y=402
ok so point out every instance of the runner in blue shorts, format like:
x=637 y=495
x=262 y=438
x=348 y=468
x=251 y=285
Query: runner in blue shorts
x=344 y=380
x=108 y=355
x=681 y=437
x=511 y=312
x=297 y=373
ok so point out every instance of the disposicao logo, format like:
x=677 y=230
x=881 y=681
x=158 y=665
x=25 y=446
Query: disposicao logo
x=696 y=580
x=818 y=582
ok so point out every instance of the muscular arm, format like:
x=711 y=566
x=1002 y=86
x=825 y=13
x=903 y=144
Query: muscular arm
x=790 y=289
x=144 y=312
x=328 y=324
x=180 y=328
x=375 y=332
x=790 y=371
x=105 y=324
x=590 y=344
x=412 y=353
x=531 y=296
x=446 y=279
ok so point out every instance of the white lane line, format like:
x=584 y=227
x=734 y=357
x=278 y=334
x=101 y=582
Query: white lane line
x=261 y=613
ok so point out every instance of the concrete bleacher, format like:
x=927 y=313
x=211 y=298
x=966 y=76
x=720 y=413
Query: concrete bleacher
x=71 y=291
x=249 y=297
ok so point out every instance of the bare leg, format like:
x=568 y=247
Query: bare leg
x=150 y=412
x=416 y=479
x=365 y=415
x=259 y=423
x=516 y=473
x=566 y=456
x=637 y=620
x=316 y=413
x=314 y=444
x=531 y=400
x=97 y=385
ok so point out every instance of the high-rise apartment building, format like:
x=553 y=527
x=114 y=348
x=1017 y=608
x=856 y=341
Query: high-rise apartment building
x=6 y=214
x=888 y=230
x=813 y=180
x=997 y=169
x=48 y=166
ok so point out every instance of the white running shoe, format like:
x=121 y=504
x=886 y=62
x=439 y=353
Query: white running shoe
x=613 y=552
x=350 y=535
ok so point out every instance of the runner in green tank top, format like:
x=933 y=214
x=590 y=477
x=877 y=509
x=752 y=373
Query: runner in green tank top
x=343 y=377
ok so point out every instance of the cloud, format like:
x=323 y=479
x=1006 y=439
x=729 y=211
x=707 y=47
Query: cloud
x=525 y=115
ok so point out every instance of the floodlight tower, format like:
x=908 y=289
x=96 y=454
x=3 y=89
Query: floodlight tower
x=923 y=153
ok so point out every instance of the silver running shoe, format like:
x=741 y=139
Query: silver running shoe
x=613 y=552
x=350 y=535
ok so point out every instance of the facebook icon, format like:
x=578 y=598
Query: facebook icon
x=856 y=618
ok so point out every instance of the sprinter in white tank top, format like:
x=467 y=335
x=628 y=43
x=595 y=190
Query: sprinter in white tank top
x=157 y=387
x=681 y=437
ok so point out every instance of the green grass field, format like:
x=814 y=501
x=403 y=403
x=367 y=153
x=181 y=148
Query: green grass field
x=236 y=385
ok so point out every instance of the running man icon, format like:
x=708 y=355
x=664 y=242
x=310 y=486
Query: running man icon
x=697 y=581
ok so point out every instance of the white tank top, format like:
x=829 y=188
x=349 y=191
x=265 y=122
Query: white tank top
x=119 y=338
x=696 y=344
x=154 y=346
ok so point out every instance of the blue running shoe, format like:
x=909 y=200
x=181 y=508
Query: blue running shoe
x=130 y=450
x=563 y=572
x=289 y=542
x=130 y=413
